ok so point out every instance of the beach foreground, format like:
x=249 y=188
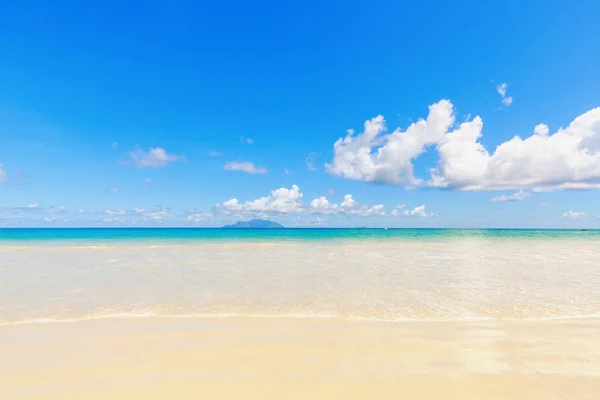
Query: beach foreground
x=300 y=358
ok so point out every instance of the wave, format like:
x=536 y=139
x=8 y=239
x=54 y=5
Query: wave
x=148 y=315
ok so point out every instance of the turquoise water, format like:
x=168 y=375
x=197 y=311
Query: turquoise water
x=204 y=234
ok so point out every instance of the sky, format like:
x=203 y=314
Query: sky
x=317 y=113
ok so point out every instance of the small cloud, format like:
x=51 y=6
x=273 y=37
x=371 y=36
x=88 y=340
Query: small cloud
x=33 y=205
x=310 y=162
x=395 y=212
x=573 y=214
x=113 y=190
x=156 y=157
x=114 y=145
x=81 y=211
x=3 y=174
x=245 y=166
x=501 y=89
x=331 y=192
x=419 y=211
x=541 y=130
x=115 y=212
x=57 y=210
x=214 y=153
x=286 y=171
x=148 y=180
x=520 y=195
x=245 y=140
x=317 y=220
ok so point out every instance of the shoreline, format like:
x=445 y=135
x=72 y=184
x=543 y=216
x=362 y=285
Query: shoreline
x=272 y=358
x=309 y=317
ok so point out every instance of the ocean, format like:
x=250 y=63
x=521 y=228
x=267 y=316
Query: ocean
x=388 y=275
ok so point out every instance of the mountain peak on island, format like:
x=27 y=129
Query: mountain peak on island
x=254 y=223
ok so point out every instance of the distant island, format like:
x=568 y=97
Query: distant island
x=254 y=223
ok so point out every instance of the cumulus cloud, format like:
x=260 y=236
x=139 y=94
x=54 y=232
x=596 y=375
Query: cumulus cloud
x=419 y=211
x=374 y=156
x=245 y=140
x=574 y=214
x=289 y=201
x=397 y=208
x=281 y=200
x=520 y=195
x=156 y=157
x=57 y=210
x=3 y=174
x=566 y=159
x=349 y=206
x=245 y=166
x=501 y=89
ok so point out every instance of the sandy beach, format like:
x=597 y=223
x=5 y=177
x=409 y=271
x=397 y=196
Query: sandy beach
x=299 y=358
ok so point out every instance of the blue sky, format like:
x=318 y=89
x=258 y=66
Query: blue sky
x=87 y=91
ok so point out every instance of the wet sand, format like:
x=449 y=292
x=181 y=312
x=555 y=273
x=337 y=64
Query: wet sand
x=300 y=358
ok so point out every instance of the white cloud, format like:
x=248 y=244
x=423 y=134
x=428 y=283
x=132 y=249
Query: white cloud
x=289 y=201
x=349 y=206
x=156 y=214
x=419 y=211
x=244 y=166
x=286 y=171
x=395 y=211
x=281 y=200
x=317 y=220
x=156 y=157
x=520 y=195
x=214 y=153
x=310 y=162
x=57 y=210
x=148 y=180
x=322 y=205
x=501 y=89
x=331 y=192
x=113 y=190
x=33 y=205
x=573 y=214
x=567 y=159
x=197 y=215
x=3 y=174
x=245 y=140
x=115 y=212
x=541 y=129
x=374 y=156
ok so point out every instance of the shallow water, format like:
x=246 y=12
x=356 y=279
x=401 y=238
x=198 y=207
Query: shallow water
x=392 y=280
